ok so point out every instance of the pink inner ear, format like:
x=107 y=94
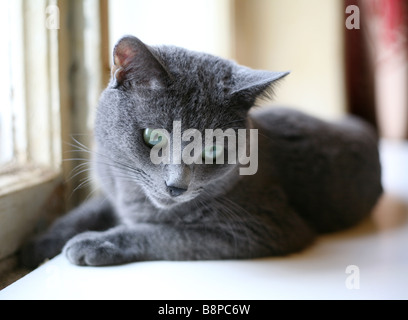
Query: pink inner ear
x=123 y=56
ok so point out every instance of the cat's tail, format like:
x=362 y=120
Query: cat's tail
x=362 y=143
x=359 y=127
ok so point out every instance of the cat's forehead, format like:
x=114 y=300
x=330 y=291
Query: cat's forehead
x=196 y=70
x=198 y=95
x=190 y=113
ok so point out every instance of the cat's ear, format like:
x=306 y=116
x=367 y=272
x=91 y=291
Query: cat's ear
x=250 y=84
x=134 y=63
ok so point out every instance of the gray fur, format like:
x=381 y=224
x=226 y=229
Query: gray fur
x=313 y=176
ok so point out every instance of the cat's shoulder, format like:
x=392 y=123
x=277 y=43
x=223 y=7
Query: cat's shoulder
x=285 y=121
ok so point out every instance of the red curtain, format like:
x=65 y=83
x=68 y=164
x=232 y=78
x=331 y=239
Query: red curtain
x=377 y=65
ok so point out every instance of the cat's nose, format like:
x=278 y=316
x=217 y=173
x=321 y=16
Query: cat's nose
x=178 y=179
x=176 y=191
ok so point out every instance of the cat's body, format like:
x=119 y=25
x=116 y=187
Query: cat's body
x=312 y=176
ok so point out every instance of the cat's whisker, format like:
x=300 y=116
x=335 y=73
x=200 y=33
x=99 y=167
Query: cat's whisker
x=122 y=170
x=79 y=171
x=83 y=148
x=227 y=124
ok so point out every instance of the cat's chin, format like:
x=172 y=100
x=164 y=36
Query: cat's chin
x=166 y=203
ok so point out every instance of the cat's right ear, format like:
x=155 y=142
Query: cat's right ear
x=135 y=65
x=251 y=84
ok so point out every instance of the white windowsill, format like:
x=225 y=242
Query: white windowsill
x=379 y=248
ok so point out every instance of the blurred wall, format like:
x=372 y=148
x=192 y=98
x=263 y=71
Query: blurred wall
x=303 y=36
x=202 y=25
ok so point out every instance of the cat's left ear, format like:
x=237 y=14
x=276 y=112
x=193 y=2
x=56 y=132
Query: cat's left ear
x=135 y=63
x=250 y=84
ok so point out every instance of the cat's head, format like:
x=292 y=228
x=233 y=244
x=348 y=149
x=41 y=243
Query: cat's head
x=174 y=89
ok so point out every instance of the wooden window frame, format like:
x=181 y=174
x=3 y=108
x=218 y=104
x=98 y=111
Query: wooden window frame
x=34 y=193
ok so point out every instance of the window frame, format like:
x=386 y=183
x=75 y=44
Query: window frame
x=36 y=191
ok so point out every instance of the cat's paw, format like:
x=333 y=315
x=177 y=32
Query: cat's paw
x=92 y=249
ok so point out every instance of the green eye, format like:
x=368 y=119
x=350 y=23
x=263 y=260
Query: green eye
x=154 y=137
x=212 y=152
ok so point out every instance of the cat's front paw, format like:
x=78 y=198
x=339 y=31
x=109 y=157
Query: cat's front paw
x=92 y=249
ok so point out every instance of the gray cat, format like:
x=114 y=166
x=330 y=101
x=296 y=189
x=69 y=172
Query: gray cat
x=312 y=177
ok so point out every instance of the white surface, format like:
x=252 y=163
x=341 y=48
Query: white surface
x=378 y=247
